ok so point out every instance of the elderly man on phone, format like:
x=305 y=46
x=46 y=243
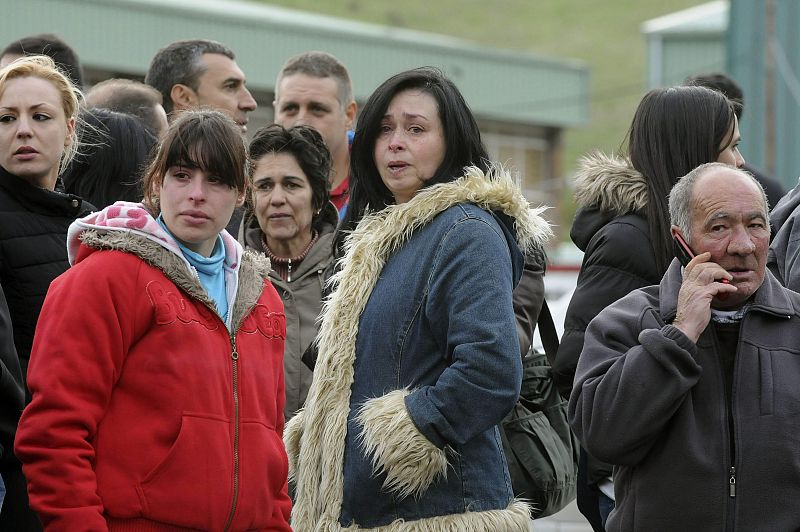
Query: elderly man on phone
x=692 y=388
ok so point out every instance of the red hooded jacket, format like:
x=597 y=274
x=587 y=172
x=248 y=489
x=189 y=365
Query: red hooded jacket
x=147 y=413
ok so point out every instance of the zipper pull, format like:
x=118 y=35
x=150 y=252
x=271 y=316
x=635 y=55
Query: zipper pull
x=234 y=352
x=732 y=482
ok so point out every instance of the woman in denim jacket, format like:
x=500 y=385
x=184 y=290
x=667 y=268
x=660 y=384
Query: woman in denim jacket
x=418 y=356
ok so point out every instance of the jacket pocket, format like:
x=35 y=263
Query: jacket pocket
x=192 y=486
x=779 y=378
x=263 y=470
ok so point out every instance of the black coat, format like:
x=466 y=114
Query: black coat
x=772 y=187
x=618 y=258
x=12 y=394
x=33 y=250
x=618 y=254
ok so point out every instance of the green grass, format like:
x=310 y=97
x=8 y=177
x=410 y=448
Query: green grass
x=605 y=34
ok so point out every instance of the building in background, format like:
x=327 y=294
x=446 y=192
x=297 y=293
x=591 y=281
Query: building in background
x=686 y=42
x=756 y=42
x=523 y=102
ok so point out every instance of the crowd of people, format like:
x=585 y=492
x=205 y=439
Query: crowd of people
x=322 y=328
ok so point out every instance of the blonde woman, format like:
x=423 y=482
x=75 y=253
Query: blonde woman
x=38 y=111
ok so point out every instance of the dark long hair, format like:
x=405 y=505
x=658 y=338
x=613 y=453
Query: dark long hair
x=674 y=131
x=116 y=149
x=462 y=139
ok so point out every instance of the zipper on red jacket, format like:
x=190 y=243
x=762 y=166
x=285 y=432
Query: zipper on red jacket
x=235 y=363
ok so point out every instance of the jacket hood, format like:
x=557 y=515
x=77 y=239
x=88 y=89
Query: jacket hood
x=133 y=218
x=609 y=183
x=588 y=221
x=784 y=208
x=317 y=433
x=130 y=228
x=389 y=229
x=494 y=191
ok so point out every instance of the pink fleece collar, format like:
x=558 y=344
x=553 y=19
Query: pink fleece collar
x=133 y=217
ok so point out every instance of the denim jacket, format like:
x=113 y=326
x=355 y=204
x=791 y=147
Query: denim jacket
x=419 y=361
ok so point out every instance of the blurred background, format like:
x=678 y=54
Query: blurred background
x=548 y=80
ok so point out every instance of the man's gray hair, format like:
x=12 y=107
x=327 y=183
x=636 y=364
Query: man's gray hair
x=680 y=197
x=319 y=65
x=181 y=63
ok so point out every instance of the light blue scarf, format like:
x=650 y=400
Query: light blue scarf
x=209 y=270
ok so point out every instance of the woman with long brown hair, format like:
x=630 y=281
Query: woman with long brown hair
x=622 y=225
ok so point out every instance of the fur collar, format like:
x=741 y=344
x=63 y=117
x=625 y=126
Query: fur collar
x=252 y=273
x=316 y=435
x=611 y=184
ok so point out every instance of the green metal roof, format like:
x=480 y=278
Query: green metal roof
x=122 y=36
x=686 y=42
x=709 y=18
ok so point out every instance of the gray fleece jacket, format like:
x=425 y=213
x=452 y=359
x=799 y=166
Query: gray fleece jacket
x=653 y=403
x=784 y=251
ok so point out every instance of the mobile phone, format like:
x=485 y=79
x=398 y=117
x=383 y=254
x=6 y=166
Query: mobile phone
x=686 y=253
x=682 y=249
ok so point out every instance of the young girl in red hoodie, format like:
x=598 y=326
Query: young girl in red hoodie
x=157 y=367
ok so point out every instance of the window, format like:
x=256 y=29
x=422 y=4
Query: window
x=525 y=157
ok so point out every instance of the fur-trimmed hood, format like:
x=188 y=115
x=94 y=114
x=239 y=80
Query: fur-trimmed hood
x=130 y=228
x=611 y=184
x=315 y=437
x=495 y=192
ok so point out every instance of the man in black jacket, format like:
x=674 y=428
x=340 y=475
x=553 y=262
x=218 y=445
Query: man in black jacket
x=690 y=388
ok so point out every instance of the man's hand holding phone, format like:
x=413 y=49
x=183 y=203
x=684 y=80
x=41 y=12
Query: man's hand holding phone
x=702 y=282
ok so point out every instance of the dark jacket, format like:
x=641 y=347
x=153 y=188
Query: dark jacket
x=618 y=255
x=653 y=403
x=784 y=250
x=12 y=394
x=302 y=302
x=33 y=250
x=528 y=297
x=389 y=431
x=772 y=187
